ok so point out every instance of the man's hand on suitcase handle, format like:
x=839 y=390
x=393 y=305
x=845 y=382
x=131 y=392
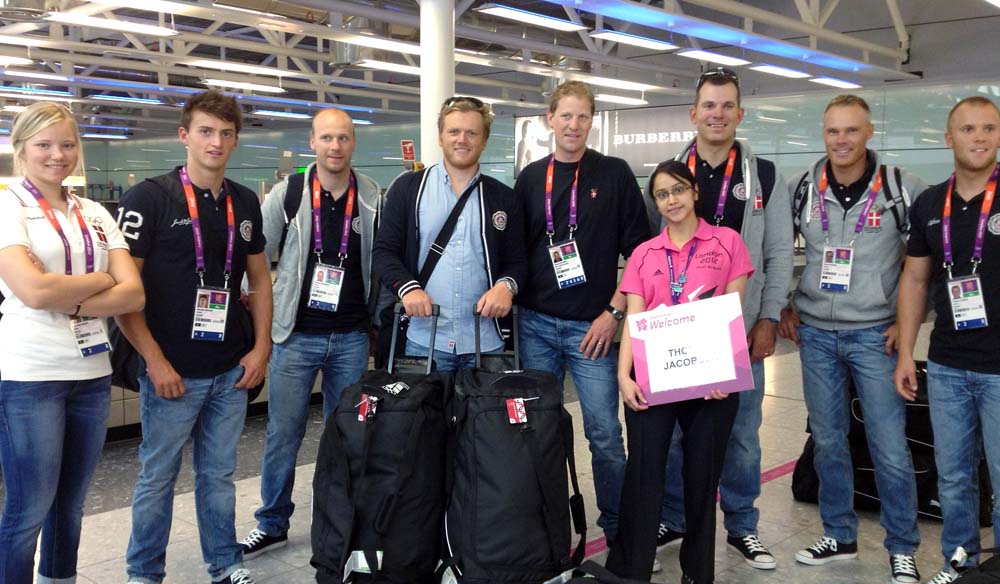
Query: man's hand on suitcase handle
x=496 y=302
x=417 y=303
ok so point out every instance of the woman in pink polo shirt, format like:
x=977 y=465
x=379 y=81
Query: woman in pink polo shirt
x=689 y=261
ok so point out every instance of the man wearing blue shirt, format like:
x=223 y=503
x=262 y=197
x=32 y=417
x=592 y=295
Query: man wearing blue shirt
x=479 y=267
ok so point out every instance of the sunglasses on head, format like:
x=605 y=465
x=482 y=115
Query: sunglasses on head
x=722 y=72
x=453 y=100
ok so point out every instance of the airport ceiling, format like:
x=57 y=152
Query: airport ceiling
x=284 y=59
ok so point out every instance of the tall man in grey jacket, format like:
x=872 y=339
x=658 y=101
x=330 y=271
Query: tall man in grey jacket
x=852 y=211
x=322 y=300
x=747 y=194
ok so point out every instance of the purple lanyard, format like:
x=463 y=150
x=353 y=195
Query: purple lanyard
x=876 y=187
x=549 y=221
x=50 y=214
x=317 y=205
x=984 y=211
x=676 y=287
x=199 y=245
x=720 y=207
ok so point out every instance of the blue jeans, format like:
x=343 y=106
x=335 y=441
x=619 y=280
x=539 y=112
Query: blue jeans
x=211 y=412
x=963 y=404
x=552 y=344
x=342 y=357
x=829 y=360
x=739 y=486
x=45 y=491
x=446 y=362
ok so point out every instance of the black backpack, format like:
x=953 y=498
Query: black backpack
x=508 y=519
x=986 y=573
x=897 y=201
x=593 y=573
x=378 y=489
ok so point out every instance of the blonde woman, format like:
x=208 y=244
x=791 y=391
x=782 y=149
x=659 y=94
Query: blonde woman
x=63 y=265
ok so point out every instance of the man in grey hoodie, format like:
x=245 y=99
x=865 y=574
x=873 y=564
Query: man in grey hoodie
x=324 y=297
x=747 y=194
x=844 y=320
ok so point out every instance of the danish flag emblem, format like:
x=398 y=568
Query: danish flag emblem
x=874 y=219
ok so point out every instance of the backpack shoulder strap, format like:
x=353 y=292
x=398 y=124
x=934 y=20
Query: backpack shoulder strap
x=799 y=201
x=767 y=174
x=293 y=199
x=896 y=196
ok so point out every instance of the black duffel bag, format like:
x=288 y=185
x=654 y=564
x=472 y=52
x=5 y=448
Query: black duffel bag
x=591 y=572
x=378 y=489
x=509 y=511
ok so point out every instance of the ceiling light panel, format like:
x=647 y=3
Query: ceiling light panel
x=243 y=85
x=108 y=24
x=634 y=40
x=834 y=82
x=713 y=58
x=386 y=66
x=243 y=68
x=607 y=97
x=532 y=18
x=780 y=71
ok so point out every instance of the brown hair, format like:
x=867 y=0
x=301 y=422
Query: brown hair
x=577 y=89
x=214 y=103
x=848 y=99
x=972 y=100
x=718 y=76
x=466 y=104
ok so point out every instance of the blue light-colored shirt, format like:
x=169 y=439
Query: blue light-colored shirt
x=460 y=278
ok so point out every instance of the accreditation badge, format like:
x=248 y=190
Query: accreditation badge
x=968 y=307
x=91 y=336
x=211 y=307
x=324 y=291
x=835 y=274
x=567 y=264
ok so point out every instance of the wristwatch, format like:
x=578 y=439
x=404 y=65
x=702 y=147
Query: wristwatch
x=510 y=284
x=615 y=313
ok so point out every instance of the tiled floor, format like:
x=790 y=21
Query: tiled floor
x=785 y=525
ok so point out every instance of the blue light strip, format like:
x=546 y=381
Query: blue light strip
x=127 y=99
x=35 y=91
x=657 y=18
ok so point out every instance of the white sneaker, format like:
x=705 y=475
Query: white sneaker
x=944 y=577
x=657 y=568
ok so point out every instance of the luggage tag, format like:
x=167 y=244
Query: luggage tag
x=91 y=336
x=516 y=412
x=211 y=308
x=366 y=408
x=836 y=271
x=359 y=564
x=968 y=308
x=324 y=292
x=567 y=264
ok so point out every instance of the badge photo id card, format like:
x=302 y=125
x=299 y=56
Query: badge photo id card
x=91 y=336
x=968 y=308
x=835 y=274
x=210 y=310
x=324 y=291
x=567 y=264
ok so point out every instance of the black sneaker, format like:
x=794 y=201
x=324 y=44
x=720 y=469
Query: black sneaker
x=666 y=536
x=258 y=542
x=240 y=576
x=904 y=569
x=753 y=551
x=827 y=550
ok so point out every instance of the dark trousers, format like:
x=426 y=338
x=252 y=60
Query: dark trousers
x=706 y=425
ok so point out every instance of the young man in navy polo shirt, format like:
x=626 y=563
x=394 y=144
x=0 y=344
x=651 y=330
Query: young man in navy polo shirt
x=193 y=233
x=955 y=242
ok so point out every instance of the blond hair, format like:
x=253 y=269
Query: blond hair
x=34 y=119
x=577 y=89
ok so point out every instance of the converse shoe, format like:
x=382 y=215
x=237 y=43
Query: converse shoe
x=944 y=577
x=904 y=569
x=827 y=550
x=666 y=536
x=258 y=542
x=753 y=551
x=240 y=576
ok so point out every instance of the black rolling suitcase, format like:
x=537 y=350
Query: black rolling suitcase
x=509 y=513
x=591 y=572
x=378 y=490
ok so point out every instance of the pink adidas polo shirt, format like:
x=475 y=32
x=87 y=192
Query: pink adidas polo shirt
x=720 y=257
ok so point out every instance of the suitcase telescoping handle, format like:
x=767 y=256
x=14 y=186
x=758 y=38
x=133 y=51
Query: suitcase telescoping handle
x=514 y=331
x=398 y=313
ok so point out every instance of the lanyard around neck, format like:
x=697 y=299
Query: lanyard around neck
x=317 y=205
x=677 y=286
x=720 y=207
x=50 y=214
x=199 y=244
x=984 y=212
x=549 y=221
x=874 y=189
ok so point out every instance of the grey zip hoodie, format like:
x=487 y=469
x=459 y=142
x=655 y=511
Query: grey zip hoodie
x=768 y=237
x=878 y=253
x=292 y=263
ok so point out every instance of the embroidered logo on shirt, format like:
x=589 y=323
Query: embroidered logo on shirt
x=758 y=202
x=740 y=191
x=658 y=272
x=102 y=238
x=500 y=220
x=179 y=222
x=246 y=230
x=874 y=219
x=356 y=225
x=814 y=210
x=994 y=224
